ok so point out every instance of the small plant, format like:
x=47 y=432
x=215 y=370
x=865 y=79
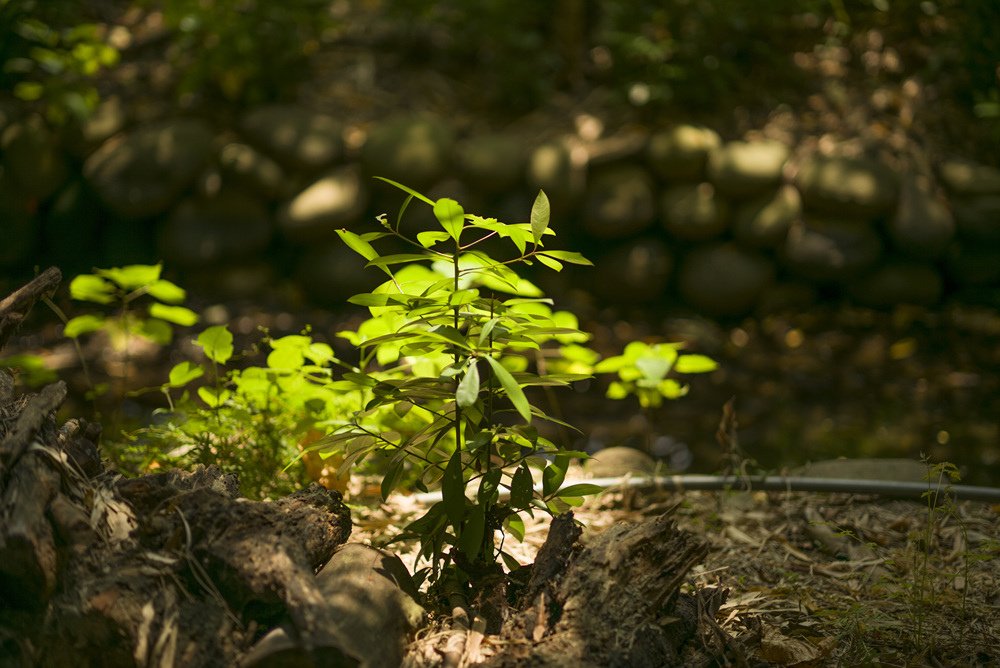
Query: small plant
x=453 y=349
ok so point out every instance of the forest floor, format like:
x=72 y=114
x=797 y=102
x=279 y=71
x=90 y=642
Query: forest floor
x=812 y=579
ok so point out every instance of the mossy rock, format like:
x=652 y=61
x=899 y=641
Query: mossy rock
x=831 y=250
x=337 y=199
x=248 y=167
x=847 y=186
x=618 y=461
x=964 y=177
x=297 y=137
x=492 y=163
x=636 y=272
x=207 y=231
x=922 y=226
x=978 y=218
x=551 y=168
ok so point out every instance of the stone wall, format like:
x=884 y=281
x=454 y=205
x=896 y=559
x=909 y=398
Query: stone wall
x=676 y=214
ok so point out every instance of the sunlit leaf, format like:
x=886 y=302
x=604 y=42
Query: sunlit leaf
x=539 y=215
x=357 y=244
x=178 y=315
x=568 y=256
x=391 y=478
x=411 y=191
x=511 y=388
x=166 y=291
x=468 y=389
x=695 y=364
x=430 y=238
x=217 y=343
x=83 y=324
x=554 y=474
x=183 y=373
x=91 y=288
x=451 y=216
x=521 y=487
x=132 y=276
x=581 y=489
x=212 y=397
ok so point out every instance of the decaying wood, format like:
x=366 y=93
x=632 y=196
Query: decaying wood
x=370 y=609
x=15 y=307
x=616 y=603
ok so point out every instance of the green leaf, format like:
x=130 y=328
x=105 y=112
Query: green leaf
x=568 y=256
x=521 y=487
x=581 y=489
x=413 y=192
x=217 y=343
x=166 y=291
x=489 y=486
x=156 y=330
x=369 y=299
x=451 y=216
x=653 y=368
x=515 y=526
x=453 y=490
x=554 y=474
x=212 y=397
x=471 y=540
x=555 y=265
x=392 y=478
x=695 y=364
x=468 y=389
x=429 y=239
x=90 y=288
x=616 y=390
x=83 y=324
x=286 y=358
x=400 y=258
x=540 y=212
x=132 y=276
x=178 y=315
x=184 y=373
x=511 y=388
x=357 y=244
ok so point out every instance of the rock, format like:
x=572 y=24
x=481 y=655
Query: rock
x=764 y=222
x=847 y=186
x=248 y=167
x=105 y=122
x=331 y=272
x=335 y=200
x=723 y=279
x=141 y=174
x=552 y=169
x=618 y=461
x=973 y=265
x=899 y=283
x=831 y=250
x=72 y=228
x=296 y=137
x=964 y=177
x=619 y=202
x=636 y=272
x=492 y=163
x=32 y=158
x=693 y=212
x=922 y=226
x=978 y=217
x=745 y=169
x=681 y=152
x=203 y=232
x=413 y=150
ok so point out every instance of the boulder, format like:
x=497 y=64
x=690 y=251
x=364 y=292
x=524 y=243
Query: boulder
x=296 y=137
x=203 y=232
x=413 y=150
x=898 y=283
x=247 y=167
x=141 y=174
x=337 y=199
x=978 y=217
x=764 y=222
x=681 y=152
x=693 y=212
x=922 y=226
x=964 y=177
x=787 y=296
x=492 y=163
x=831 y=250
x=847 y=186
x=32 y=158
x=636 y=272
x=724 y=280
x=619 y=202
x=107 y=120
x=747 y=168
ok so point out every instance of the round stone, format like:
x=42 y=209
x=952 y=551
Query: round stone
x=335 y=200
x=248 y=167
x=297 y=137
x=899 y=283
x=847 y=186
x=724 y=280
x=636 y=272
x=413 y=150
x=619 y=202
x=831 y=250
x=492 y=163
x=964 y=177
x=764 y=222
x=681 y=152
x=978 y=217
x=203 y=232
x=745 y=169
x=693 y=212
x=922 y=226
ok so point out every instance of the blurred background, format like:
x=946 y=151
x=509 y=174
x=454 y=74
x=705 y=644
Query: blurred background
x=806 y=190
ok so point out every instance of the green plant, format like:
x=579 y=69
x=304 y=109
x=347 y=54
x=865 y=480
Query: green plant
x=453 y=350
